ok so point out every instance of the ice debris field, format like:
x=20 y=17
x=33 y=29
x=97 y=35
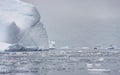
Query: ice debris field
x=57 y=62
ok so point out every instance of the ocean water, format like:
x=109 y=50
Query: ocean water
x=61 y=62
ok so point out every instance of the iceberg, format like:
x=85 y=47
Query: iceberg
x=52 y=45
x=20 y=24
x=4 y=46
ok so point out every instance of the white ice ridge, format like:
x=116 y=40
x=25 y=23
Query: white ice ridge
x=20 y=23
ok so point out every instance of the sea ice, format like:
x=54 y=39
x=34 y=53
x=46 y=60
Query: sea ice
x=4 y=46
x=20 y=23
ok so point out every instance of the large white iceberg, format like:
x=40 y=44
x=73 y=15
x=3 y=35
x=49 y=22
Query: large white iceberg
x=20 y=23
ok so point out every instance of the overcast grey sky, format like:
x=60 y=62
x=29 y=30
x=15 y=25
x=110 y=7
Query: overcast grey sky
x=81 y=22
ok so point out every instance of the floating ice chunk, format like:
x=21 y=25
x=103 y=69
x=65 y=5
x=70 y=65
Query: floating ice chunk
x=100 y=59
x=79 y=51
x=99 y=70
x=65 y=47
x=85 y=48
x=89 y=65
x=4 y=46
x=98 y=53
x=98 y=65
x=52 y=45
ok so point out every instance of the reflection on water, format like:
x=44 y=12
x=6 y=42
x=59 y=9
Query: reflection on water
x=57 y=62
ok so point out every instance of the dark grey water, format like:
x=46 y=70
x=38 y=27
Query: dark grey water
x=61 y=62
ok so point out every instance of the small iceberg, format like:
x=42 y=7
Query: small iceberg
x=4 y=46
x=85 y=48
x=99 y=70
x=89 y=65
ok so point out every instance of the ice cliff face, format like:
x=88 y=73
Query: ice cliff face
x=20 y=23
x=35 y=36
